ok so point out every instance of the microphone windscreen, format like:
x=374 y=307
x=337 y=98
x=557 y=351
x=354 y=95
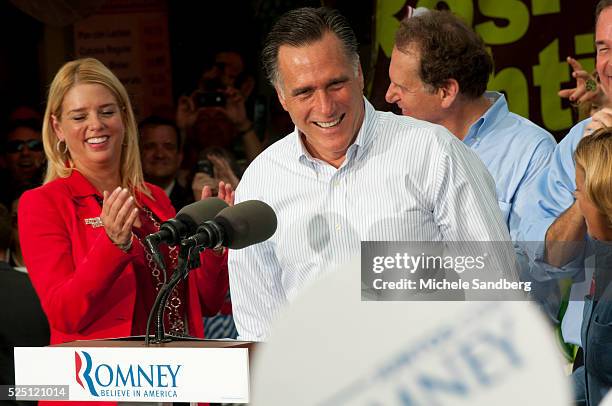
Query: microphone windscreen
x=247 y=223
x=202 y=210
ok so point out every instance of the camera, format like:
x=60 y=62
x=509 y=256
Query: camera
x=209 y=99
x=205 y=166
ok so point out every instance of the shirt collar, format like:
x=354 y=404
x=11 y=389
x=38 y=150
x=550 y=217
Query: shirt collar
x=497 y=111
x=364 y=137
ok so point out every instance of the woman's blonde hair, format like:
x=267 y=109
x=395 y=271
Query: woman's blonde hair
x=594 y=156
x=91 y=71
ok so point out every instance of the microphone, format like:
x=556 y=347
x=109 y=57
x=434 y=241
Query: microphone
x=185 y=223
x=236 y=227
x=187 y=220
x=240 y=226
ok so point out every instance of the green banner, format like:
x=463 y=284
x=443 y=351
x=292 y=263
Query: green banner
x=529 y=42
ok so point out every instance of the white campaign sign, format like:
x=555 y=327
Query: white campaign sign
x=607 y=400
x=139 y=374
x=330 y=348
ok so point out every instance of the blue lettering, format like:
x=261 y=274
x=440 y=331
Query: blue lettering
x=174 y=374
x=161 y=375
x=485 y=351
x=435 y=385
x=411 y=355
x=505 y=346
x=143 y=374
x=105 y=375
x=123 y=379
x=110 y=374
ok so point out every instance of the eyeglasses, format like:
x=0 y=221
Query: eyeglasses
x=15 y=146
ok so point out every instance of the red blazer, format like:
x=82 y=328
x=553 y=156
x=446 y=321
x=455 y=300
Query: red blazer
x=86 y=284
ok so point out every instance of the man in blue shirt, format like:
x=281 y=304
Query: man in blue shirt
x=439 y=72
x=555 y=218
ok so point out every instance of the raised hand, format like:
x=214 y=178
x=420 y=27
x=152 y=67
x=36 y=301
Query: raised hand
x=226 y=193
x=601 y=119
x=236 y=110
x=201 y=183
x=119 y=213
x=587 y=88
x=223 y=170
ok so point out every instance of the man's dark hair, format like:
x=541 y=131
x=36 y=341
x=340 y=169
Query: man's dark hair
x=449 y=49
x=304 y=26
x=6 y=228
x=156 y=121
x=603 y=4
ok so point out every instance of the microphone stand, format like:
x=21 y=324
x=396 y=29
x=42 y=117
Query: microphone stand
x=152 y=242
x=188 y=259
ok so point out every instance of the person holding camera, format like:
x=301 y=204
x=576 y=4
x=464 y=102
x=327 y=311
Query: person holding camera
x=215 y=167
x=214 y=171
x=215 y=115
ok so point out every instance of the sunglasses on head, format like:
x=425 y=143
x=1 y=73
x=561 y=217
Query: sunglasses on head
x=14 y=146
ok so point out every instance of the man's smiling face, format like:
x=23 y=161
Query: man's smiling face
x=323 y=93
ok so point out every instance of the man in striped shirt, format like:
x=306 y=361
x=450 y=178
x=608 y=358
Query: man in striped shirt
x=346 y=174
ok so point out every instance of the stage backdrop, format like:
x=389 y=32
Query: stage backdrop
x=131 y=38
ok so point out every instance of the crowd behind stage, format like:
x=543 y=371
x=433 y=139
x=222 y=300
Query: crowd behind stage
x=480 y=173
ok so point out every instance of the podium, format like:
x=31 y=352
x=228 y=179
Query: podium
x=125 y=370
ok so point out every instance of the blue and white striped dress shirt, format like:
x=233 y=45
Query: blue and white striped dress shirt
x=402 y=180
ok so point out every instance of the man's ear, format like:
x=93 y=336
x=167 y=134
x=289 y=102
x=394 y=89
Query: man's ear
x=360 y=77
x=448 y=93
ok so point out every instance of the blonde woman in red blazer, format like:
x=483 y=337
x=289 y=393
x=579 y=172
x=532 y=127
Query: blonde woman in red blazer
x=81 y=231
